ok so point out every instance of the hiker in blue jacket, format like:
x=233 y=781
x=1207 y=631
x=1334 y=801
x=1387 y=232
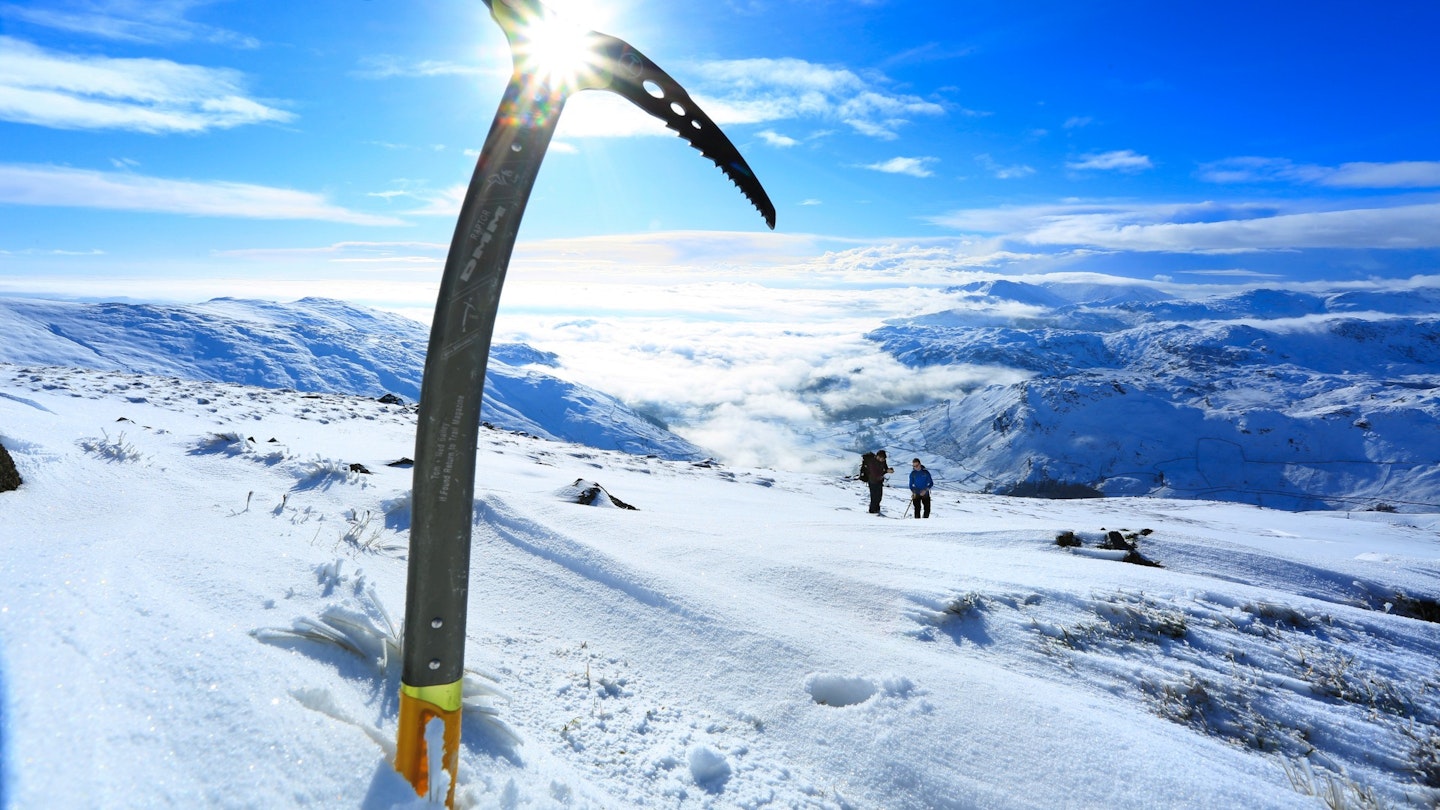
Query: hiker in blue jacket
x=920 y=484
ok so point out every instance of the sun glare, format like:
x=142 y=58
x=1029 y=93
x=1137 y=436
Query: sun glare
x=556 y=45
x=557 y=48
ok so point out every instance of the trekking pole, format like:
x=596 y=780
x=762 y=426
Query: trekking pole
x=438 y=577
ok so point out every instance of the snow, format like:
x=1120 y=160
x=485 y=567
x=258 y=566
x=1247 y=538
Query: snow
x=317 y=344
x=744 y=638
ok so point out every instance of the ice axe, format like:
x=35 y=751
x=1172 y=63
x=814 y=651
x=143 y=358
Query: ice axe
x=551 y=60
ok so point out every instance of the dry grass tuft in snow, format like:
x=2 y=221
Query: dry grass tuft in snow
x=357 y=622
x=112 y=449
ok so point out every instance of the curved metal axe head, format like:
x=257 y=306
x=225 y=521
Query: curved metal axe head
x=540 y=39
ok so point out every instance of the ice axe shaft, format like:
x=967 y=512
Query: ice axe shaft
x=442 y=501
x=443 y=496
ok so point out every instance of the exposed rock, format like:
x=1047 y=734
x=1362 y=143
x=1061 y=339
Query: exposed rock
x=589 y=493
x=9 y=476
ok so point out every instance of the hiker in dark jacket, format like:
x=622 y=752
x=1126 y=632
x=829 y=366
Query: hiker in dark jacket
x=875 y=468
x=920 y=484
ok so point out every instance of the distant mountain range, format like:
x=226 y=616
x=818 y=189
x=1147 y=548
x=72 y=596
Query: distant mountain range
x=1286 y=399
x=1295 y=400
x=319 y=345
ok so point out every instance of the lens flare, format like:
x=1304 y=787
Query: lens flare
x=557 y=50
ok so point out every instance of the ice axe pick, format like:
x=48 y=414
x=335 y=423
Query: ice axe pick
x=552 y=60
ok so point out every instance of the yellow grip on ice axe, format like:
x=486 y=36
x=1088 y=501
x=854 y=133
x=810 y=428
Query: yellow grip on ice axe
x=418 y=706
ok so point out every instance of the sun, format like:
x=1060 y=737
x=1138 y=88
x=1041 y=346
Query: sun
x=556 y=48
x=557 y=45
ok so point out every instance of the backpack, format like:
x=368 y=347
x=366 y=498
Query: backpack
x=865 y=467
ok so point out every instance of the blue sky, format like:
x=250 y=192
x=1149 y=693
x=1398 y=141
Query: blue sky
x=174 y=147
x=181 y=150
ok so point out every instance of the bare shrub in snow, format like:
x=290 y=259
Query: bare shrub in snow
x=962 y=606
x=1243 y=672
x=229 y=443
x=363 y=534
x=323 y=473
x=1337 y=792
x=358 y=623
x=112 y=449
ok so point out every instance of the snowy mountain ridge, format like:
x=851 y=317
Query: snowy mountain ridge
x=317 y=345
x=1296 y=400
x=1284 y=398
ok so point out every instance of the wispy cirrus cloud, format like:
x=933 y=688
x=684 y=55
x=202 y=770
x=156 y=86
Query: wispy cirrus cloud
x=392 y=67
x=149 y=21
x=776 y=139
x=1003 y=172
x=1396 y=174
x=1209 y=227
x=743 y=91
x=759 y=91
x=22 y=184
x=68 y=91
x=443 y=203
x=425 y=254
x=1120 y=160
x=913 y=166
x=781 y=89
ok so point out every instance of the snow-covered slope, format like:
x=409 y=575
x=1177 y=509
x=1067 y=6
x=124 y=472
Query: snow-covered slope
x=179 y=551
x=316 y=345
x=1282 y=398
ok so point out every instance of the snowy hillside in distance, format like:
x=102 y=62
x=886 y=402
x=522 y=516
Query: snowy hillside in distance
x=316 y=345
x=1296 y=400
x=744 y=639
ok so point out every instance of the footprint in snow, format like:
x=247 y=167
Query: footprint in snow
x=830 y=689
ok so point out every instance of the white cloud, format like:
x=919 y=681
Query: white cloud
x=1004 y=172
x=733 y=93
x=444 y=204
x=781 y=89
x=1123 y=160
x=1399 y=174
x=1208 y=227
x=404 y=256
x=1236 y=273
x=776 y=139
x=913 y=166
x=389 y=67
x=744 y=357
x=745 y=91
x=744 y=252
x=1404 y=174
x=150 y=21
x=79 y=188
x=67 y=91
x=1258 y=170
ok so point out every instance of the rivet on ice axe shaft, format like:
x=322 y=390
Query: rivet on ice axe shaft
x=437 y=586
